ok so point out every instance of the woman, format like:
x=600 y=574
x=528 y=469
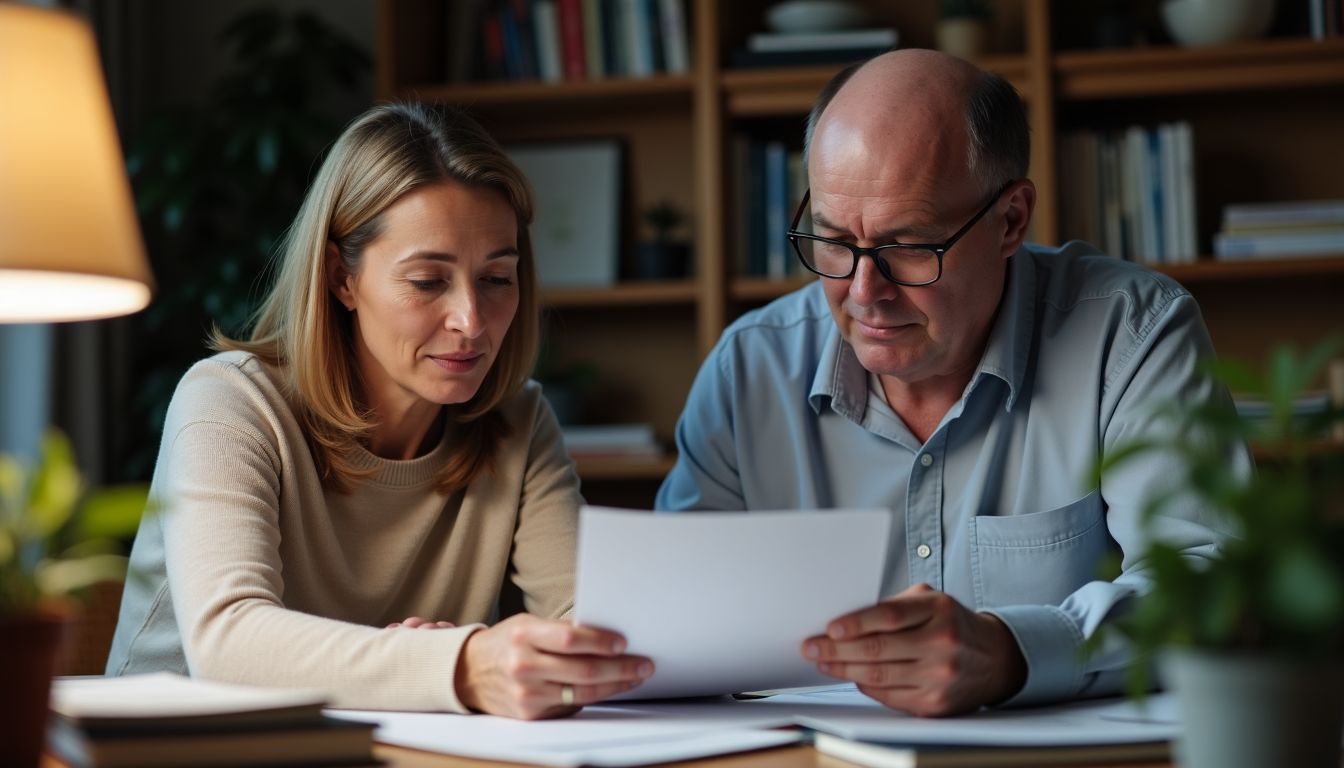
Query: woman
x=375 y=451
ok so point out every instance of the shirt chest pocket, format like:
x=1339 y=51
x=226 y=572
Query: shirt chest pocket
x=1038 y=558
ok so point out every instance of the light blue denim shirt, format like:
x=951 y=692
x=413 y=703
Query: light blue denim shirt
x=995 y=508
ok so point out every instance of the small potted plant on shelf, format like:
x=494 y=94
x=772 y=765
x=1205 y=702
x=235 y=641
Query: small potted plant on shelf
x=51 y=546
x=666 y=256
x=963 y=27
x=1251 y=639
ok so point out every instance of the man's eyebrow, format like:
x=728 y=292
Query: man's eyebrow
x=820 y=222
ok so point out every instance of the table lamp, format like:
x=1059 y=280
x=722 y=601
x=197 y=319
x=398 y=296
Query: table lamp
x=70 y=246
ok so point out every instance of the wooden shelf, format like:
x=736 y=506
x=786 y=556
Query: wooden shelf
x=764 y=288
x=783 y=91
x=669 y=292
x=531 y=95
x=624 y=469
x=1144 y=72
x=1319 y=449
x=1261 y=269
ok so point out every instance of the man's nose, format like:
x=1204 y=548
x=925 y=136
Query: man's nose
x=868 y=285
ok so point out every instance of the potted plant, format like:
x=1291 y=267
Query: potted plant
x=666 y=256
x=54 y=541
x=1252 y=639
x=963 y=27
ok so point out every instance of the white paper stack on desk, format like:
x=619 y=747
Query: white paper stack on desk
x=166 y=719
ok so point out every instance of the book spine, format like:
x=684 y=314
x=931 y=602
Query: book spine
x=676 y=47
x=594 y=39
x=776 y=199
x=572 y=39
x=639 y=58
x=546 y=30
x=653 y=33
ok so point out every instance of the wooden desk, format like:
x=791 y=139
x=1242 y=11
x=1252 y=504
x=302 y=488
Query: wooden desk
x=779 y=757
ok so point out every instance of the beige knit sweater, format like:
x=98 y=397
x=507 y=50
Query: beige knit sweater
x=252 y=572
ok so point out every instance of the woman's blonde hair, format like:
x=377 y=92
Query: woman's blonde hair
x=304 y=330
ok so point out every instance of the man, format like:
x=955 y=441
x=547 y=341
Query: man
x=969 y=386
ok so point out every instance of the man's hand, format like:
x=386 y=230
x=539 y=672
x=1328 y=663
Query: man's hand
x=530 y=668
x=922 y=652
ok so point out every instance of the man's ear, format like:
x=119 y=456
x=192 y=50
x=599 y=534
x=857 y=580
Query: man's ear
x=338 y=279
x=1017 y=216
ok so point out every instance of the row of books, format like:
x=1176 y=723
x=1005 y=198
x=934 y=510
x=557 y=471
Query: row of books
x=1281 y=229
x=557 y=40
x=1131 y=192
x=771 y=181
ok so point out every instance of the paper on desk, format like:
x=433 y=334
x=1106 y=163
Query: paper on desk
x=849 y=714
x=722 y=601
x=607 y=736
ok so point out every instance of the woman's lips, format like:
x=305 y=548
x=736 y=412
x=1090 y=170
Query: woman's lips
x=463 y=363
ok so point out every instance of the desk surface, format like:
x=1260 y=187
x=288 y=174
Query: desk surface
x=779 y=757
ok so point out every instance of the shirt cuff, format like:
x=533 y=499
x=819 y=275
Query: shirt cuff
x=1052 y=646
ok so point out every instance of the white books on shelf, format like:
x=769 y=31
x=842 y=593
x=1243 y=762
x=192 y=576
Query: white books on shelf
x=1326 y=243
x=1290 y=213
x=615 y=440
x=823 y=41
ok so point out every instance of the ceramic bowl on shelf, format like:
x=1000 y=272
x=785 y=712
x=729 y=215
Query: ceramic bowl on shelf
x=1198 y=23
x=814 y=15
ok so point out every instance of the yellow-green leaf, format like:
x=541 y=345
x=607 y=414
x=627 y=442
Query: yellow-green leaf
x=60 y=577
x=112 y=513
x=56 y=487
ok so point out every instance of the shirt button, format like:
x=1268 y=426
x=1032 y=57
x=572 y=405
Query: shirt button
x=923 y=550
x=926 y=460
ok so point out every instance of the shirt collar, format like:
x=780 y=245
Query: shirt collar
x=842 y=378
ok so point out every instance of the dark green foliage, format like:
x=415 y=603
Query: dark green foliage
x=217 y=183
x=960 y=9
x=1278 y=585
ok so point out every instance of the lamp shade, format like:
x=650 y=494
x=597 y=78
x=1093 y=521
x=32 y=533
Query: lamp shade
x=70 y=246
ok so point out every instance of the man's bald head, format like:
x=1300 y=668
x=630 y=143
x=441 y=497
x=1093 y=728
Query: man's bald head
x=940 y=94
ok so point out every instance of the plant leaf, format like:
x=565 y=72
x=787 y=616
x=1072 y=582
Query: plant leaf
x=61 y=577
x=56 y=487
x=112 y=513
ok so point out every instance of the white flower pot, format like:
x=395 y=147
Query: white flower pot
x=1197 y=23
x=1255 y=711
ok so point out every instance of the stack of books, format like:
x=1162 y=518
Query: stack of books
x=165 y=719
x=1284 y=229
x=612 y=441
x=782 y=49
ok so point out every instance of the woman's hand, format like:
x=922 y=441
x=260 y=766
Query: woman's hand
x=415 y=622
x=532 y=668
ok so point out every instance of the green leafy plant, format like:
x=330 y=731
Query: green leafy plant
x=961 y=9
x=1277 y=585
x=54 y=537
x=217 y=182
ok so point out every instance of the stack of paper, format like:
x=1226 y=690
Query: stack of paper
x=165 y=719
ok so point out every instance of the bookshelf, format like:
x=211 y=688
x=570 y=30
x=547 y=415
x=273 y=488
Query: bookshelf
x=1266 y=117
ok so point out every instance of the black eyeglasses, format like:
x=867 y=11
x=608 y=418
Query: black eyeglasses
x=901 y=263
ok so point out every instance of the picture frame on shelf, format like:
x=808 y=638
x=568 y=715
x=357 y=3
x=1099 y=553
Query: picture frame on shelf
x=576 y=225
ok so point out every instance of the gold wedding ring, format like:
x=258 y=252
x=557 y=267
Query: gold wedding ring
x=567 y=695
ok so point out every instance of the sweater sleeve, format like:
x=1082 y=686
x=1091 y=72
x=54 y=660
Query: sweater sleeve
x=544 y=543
x=219 y=505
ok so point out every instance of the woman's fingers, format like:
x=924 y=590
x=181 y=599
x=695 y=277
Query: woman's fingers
x=415 y=622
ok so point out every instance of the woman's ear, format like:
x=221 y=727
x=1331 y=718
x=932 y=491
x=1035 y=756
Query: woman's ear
x=338 y=278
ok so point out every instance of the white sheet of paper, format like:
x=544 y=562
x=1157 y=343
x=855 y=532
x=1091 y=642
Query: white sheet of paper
x=606 y=736
x=639 y=733
x=847 y=713
x=722 y=601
